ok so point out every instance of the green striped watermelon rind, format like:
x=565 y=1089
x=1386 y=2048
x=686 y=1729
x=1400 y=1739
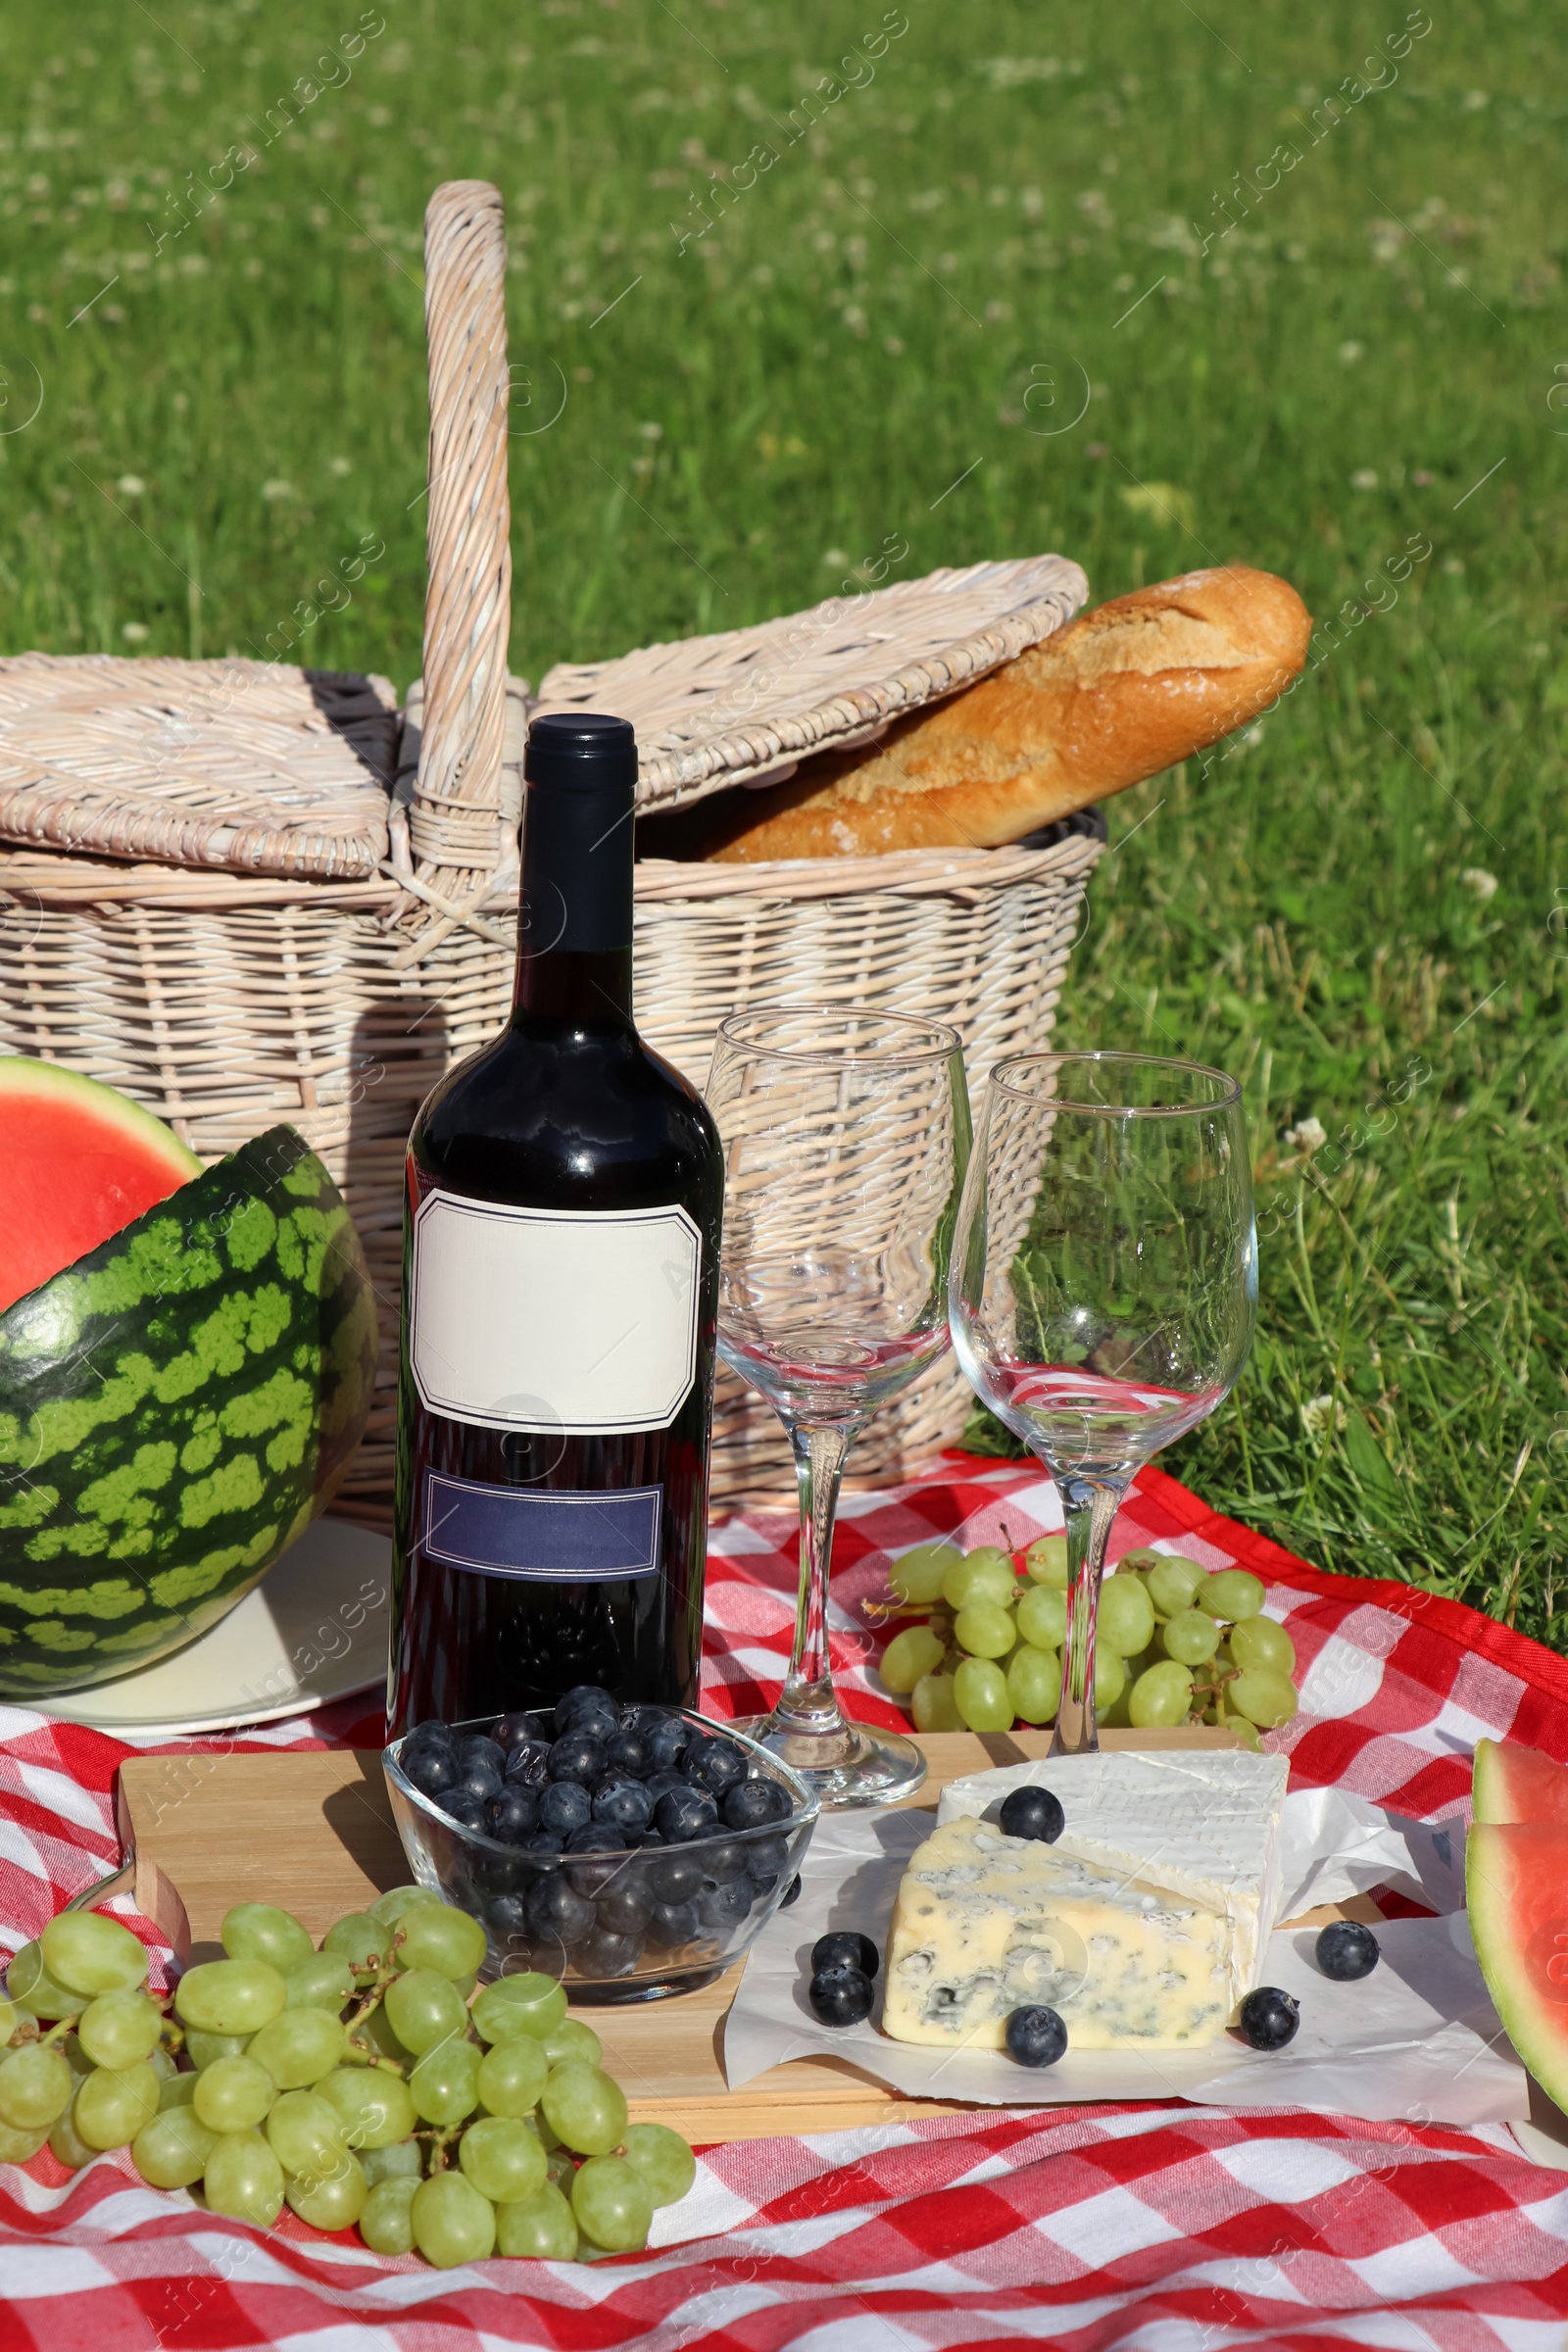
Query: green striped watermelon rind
x=175 y=1409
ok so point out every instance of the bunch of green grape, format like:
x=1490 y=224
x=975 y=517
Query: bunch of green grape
x=368 y=2084
x=1175 y=1642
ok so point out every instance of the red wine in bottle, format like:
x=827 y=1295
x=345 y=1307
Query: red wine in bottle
x=559 y=1299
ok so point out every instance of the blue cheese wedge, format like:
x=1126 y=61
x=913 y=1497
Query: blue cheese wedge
x=985 y=1924
x=1206 y=1823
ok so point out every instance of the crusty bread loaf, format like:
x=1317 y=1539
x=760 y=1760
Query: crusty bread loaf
x=1117 y=695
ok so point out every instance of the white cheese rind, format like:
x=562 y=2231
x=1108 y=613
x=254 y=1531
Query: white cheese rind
x=985 y=1924
x=1206 y=1823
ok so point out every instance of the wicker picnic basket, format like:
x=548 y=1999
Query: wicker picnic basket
x=245 y=892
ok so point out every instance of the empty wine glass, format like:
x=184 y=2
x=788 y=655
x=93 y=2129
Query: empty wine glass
x=846 y=1135
x=1104 y=1286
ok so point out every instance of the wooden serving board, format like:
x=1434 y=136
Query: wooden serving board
x=312 y=1831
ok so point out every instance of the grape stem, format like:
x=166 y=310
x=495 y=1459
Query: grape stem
x=66 y=2025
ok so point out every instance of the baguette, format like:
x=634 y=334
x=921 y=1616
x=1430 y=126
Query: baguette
x=1119 y=694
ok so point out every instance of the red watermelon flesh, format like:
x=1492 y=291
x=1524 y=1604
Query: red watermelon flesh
x=1516 y=1886
x=82 y=1162
x=1518 y=1784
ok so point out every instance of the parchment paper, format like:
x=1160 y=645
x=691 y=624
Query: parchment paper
x=1417 y=2041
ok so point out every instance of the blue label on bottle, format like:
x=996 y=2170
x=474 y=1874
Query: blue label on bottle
x=556 y=1538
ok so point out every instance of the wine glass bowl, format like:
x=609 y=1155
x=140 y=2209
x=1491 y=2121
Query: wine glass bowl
x=846 y=1135
x=1103 y=1283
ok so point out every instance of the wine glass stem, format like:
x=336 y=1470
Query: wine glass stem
x=807 y=1703
x=1090 y=1508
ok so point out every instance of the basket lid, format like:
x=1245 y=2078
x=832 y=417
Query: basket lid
x=711 y=712
x=253 y=767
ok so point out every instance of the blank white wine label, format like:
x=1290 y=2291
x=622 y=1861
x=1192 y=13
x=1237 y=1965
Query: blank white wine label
x=582 y=1322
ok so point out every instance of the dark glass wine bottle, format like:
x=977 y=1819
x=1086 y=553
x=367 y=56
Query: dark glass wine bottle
x=560 y=1297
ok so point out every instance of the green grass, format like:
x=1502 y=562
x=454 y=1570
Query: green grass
x=899 y=299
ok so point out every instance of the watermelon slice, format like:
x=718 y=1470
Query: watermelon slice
x=82 y=1162
x=1519 y=1784
x=1516 y=1886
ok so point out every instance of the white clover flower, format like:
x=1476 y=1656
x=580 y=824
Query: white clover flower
x=1307 y=1135
x=1363 y=478
x=130 y=485
x=1319 y=1415
x=1477 y=878
x=134 y=632
x=276 y=489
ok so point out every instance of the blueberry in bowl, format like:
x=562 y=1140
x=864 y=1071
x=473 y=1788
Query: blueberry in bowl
x=632 y=1851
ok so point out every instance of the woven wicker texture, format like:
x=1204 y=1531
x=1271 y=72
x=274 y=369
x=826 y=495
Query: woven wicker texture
x=711 y=712
x=250 y=766
x=228 y=1001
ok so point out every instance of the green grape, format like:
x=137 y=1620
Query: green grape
x=513 y=2075
x=359 y=1938
x=541 y=2229
x=331 y=2200
x=172 y=2150
x=980 y=1694
x=1171 y=1582
x=68 y=2145
x=1260 y=1641
x=916 y=1651
x=299 y=2047
x=523 y=2004
x=1118 y=1715
x=1230 y=1594
x=1239 y=1727
x=434 y=1935
x=386 y=2222
x=374 y=2109
x=1045 y=1561
x=1134 y=1562
x=374 y=2038
x=503 y=2158
x=983 y=1574
x=1126 y=1618
x=233 y=2094
x=205 y=2047
x=984 y=1629
x=933 y=1705
x=19 y=2146
x=1265 y=1698
x=74 y=2056
x=35 y=2087
x=569 y=2040
x=112 y=2105
x=324 y=1980
x=560 y=2163
x=118 y=2028
x=1162 y=1694
x=915 y=1576
x=1034 y=1683
x=305 y=2133
x=90 y=1953
x=397 y=2162
x=612 y=2204
x=424 y=2009
x=34 y=1988
x=1110 y=1681
x=244 y=2179
x=1190 y=1638
x=1042 y=1617
x=8 y=2021
x=161 y=2058
x=584 y=2108
x=391 y=1906
x=230 y=1997
x=445 y=2084
x=175 y=2091
x=451 y=2222
x=663 y=2158
x=264 y=1932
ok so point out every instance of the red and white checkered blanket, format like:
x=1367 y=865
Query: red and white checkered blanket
x=1164 y=2228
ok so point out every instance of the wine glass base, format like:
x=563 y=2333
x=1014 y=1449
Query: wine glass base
x=845 y=1767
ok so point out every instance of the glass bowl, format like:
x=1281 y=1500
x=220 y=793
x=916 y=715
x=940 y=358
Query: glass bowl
x=530 y=1904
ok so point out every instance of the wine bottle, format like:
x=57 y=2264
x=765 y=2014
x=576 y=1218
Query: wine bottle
x=559 y=1301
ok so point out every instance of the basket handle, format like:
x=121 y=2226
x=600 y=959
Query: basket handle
x=454 y=822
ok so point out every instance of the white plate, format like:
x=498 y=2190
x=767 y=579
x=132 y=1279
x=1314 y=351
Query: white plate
x=315 y=1629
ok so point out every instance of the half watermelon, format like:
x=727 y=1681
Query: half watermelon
x=1516 y=1889
x=178 y=1401
x=1518 y=1784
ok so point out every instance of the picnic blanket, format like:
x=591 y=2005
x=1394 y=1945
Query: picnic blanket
x=1158 y=2228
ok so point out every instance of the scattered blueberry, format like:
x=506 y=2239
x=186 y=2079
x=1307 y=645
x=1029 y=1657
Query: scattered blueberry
x=846 y=1947
x=623 y=1805
x=748 y=1804
x=682 y=1814
x=564 y=1806
x=1346 y=1950
x=1030 y=1812
x=575 y=1757
x=791 y=1894
x=1269 y=2018
x=840 y=1996
x=1035 y=2036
